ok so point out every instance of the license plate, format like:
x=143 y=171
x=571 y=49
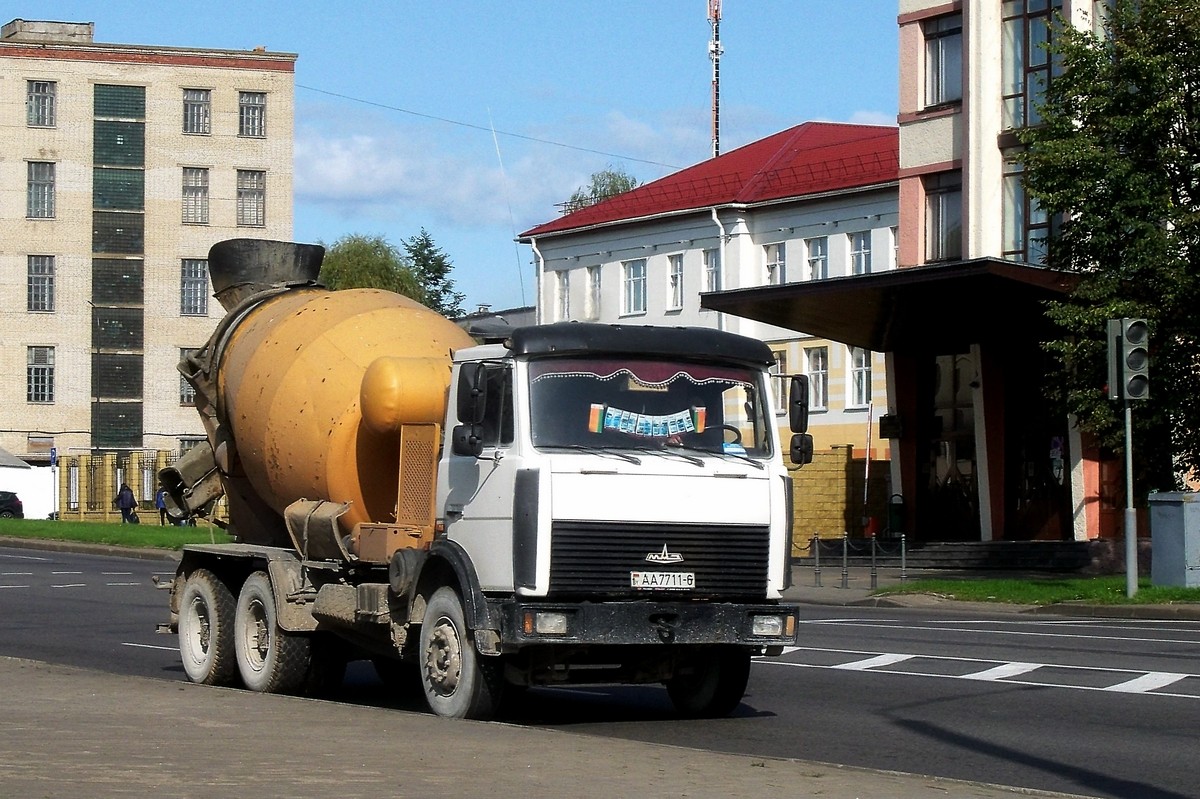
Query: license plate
x=672 y=581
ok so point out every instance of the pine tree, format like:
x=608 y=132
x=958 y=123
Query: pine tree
x=432 y=268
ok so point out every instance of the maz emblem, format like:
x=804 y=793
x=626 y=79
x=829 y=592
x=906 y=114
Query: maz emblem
x=664 y=556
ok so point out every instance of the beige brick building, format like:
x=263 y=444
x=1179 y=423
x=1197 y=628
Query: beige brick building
x=120 y=165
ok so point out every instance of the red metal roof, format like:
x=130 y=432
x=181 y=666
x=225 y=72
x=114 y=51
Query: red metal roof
x=811 y=158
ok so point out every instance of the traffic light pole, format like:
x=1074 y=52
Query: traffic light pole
x=1131 y=565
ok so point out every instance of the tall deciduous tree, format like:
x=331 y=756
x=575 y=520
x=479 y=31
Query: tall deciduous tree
x=1118 y=157
x=432 y=268
x=358 y=261
x=601 y=186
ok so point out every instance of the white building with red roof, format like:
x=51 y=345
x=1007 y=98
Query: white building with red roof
x=815 y=202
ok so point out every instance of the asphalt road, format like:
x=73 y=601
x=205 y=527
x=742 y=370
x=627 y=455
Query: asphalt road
x=1100 y=707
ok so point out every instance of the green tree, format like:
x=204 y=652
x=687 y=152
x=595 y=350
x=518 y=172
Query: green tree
x=601 y=186
x=1117 y=159
x=432 y=268
x=356 y=261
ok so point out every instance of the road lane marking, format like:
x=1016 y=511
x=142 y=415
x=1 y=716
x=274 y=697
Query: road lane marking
x=122 y=584
x=886 y=659
x=1144 y=683
x=904 y=627
x=16 y=574
x=66 y=572
x=70 y=585
x=22 y=557
x=1147 y=682
x=117 y=574
x=150 y=646
x=1002 y=671
x=14 y=586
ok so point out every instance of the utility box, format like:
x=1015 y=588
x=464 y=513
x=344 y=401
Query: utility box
x=1175 y=539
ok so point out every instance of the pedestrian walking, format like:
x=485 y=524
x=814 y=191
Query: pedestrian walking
x=160 y=502
x=126 y=502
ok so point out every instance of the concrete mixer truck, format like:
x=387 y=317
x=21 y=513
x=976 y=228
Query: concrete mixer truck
x=561 y=504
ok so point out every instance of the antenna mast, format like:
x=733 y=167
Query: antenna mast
x=714 y=53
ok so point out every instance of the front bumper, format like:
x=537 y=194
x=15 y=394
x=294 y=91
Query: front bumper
x=645 y=622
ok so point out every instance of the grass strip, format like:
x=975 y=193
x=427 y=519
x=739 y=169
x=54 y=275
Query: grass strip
x=144 y=535
x=1107 y=590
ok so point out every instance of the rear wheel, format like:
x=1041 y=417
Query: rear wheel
x=711 y=683
x=206 y=610
x=269 y=659
x=458 y=683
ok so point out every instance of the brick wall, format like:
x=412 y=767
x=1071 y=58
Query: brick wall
x=828 y=497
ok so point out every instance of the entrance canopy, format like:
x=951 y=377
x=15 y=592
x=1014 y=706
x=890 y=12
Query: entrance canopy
x=942 y=307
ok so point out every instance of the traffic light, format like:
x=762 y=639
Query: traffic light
x=1128 y=359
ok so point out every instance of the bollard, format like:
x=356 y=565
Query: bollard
x=874 y=573
x=903 y=556
x=845 y=556
x=816 y=548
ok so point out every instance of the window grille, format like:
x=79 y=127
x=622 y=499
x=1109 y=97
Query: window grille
x=195 y=196
x=197 y=111
x=251 y=198
x=193 y=291
x=41 y=283
x=40 y=104
x=40 y=203
x=252 y=114
x=39 y=374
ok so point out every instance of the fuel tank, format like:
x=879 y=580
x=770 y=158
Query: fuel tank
x=312 y=387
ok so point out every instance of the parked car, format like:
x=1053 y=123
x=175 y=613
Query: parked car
x=10 y=506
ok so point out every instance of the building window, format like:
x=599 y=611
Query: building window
x=193 y=287
x=39 y=374
x=563 y=295
x=675 y=281
x=943 y=216
x=860 y=253
x=894 y=232
x=41 y=283
x=1025 y=63
x=780 y=380
x=712 y=270
x=818 y=258
x=943 y=60
x=197 y=111
x=251 y=198
x=1026 y=226
x=39 y=103
x=187 y=392
x=860 y=377
x=195 y=196
x=40 y=204
x=593 y=292
x=776 y=266
x=633 y=280
x=188 y=443
x=252 y=114
x=816 y=366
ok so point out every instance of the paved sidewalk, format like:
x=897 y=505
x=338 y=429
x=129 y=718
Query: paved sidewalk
x=70 y=732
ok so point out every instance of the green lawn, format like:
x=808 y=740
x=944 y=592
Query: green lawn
x=126 y=535
x=1109 y=590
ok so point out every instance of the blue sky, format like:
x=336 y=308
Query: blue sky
x=396 y=102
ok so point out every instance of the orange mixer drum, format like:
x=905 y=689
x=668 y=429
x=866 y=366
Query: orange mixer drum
x=315 y=385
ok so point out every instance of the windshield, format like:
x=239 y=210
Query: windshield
x=640 y=404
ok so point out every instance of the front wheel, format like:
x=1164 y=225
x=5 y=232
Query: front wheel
x=206 y=610
x=711 y=683
x=458 y=683
x=269 y=659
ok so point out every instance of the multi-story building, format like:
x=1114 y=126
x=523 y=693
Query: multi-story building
x=980 y=456
x=121 y=165
x=811 y=203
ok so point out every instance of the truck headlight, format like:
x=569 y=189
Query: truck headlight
x=774 y=626
x=546 y=622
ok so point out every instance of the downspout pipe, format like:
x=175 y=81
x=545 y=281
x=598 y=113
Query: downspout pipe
x=720 y=254
x=540 y=263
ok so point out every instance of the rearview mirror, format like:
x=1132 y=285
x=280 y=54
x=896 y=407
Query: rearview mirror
x=798 y=404
x=802 y=449
x=472 y=393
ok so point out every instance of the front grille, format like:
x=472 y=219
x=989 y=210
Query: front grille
x=597 y=557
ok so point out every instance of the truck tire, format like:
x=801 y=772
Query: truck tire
x=206 y=610
x=458 y=683
x=269 y=659
x=711 y=683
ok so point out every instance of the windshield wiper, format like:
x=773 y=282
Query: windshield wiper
x=673 y=450
x=602 y=451
x=724 y=454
